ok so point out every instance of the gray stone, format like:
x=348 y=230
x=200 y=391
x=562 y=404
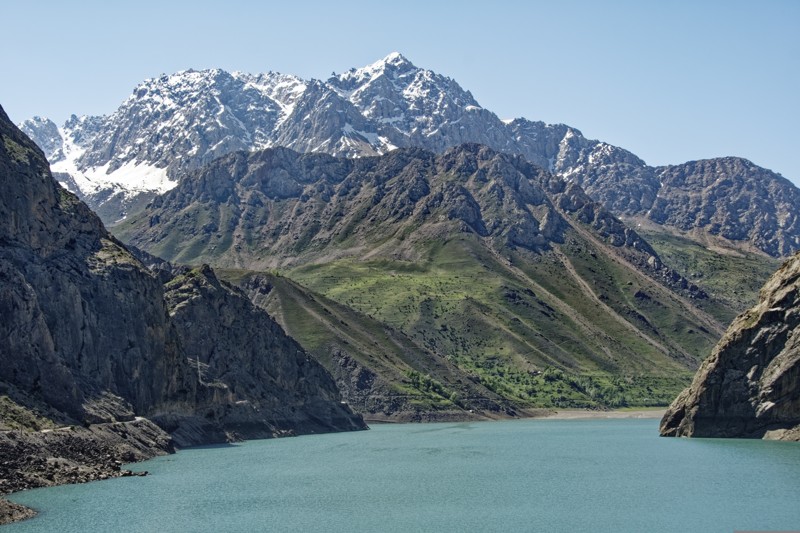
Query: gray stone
x=750 y=385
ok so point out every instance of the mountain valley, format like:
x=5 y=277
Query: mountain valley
x=496 y=269
x=559 y=304
x=377 y=237
x=399 y=267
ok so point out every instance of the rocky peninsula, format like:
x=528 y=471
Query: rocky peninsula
x=750 y=385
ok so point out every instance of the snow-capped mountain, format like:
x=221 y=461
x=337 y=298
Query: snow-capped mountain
x=166 y=126
x=182 y=121
x=179 y=122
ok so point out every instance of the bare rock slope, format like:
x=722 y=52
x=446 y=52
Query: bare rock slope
x=750 y=385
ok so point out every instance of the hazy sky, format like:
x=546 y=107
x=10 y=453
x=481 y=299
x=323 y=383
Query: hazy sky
x=671 y=81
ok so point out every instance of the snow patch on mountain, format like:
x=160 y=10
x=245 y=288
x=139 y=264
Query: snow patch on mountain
x=130 y=178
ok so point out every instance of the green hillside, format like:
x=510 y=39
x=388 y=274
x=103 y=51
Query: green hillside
x=514 y=326
x=732 y=276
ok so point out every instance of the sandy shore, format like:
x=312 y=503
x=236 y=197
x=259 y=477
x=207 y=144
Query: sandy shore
x=540 y=413
x=571 y=414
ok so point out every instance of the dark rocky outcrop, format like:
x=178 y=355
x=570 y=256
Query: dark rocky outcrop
x=91 y=336
x=750 y=385
x=259 y=381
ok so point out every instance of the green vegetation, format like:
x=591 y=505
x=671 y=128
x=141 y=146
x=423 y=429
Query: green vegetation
x=112 y=253
x=449 y=282
x=15 y=417
x=420 y=373
x=17 y=152
x=554 y=387
x=732 y=277
x=328 y=329
x=575 y=326
x=623 y=342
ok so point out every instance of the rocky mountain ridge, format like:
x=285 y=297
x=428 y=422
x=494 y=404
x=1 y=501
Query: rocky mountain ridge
x=179 y=122
x=279 y=207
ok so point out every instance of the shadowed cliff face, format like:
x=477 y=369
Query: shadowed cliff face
x=254 y=377
x=87 y=329
x=82 y=315
x=750 y=385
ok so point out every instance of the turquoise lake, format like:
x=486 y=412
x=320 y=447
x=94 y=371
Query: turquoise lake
x=524 y=475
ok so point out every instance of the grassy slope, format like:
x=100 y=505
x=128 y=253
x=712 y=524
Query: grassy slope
x=733 y=277
x=572 y=327
x=530 y=332
x=576 y=326
x=408 y=377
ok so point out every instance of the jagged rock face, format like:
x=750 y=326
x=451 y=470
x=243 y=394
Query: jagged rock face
x=329 y=124
x=618 y=179
x=417 y=107
x=728 y=197
x=47 y=136
x=87 y=328
x=237 y=111
x=82 y=314
x=750 y=385
x=60 y=144
x=179 y=122
x=249 y=365
x=732 y=198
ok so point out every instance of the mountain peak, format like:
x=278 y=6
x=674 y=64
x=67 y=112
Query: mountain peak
x=393 y=65
x=397 y=59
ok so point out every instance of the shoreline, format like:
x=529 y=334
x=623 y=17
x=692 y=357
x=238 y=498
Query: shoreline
x=72 y=455
x=522 y=414
x=577 y=414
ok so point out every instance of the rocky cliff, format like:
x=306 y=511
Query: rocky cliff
x=92 y=336
x=258 y=380
x=86 y=320
x=732 y=198
x=750 y=385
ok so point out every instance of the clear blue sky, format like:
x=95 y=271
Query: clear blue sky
x=669 y=80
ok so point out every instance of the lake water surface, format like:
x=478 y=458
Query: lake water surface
x=524 y=475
